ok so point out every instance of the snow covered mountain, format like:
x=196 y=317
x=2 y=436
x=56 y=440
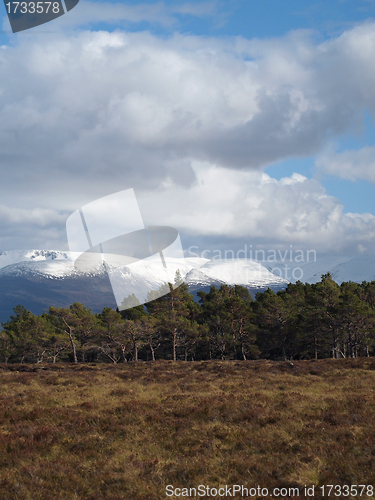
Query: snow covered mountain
x=246 y=272
x=199 y=281
x=38 y=284
x=38 y=279
x=10 y=257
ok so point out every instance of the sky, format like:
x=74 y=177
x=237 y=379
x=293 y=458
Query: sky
x=237 y=122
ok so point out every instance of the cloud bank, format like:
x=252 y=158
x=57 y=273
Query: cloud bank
x=253 y=208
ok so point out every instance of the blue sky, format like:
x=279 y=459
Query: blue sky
x=234 y=121
x=252 y=19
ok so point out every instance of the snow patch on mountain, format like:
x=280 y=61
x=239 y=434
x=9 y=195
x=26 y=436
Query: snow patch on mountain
x=56 y=264
x=244 y=272
x=10 y=257
x=47 y=269
x=52 y=264
x=145 y=275
x=196 y=277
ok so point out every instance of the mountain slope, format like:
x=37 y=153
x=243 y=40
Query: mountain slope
x=25 y=285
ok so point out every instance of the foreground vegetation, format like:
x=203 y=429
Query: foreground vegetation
x=302 y=322
x=126 y=431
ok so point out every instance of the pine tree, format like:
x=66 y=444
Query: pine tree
x=273 y=320
x=78 y=323
x=355 y=319
x=173 y=314
x=27 y=336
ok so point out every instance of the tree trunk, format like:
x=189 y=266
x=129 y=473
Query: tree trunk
x=152 y=352
x=123 y=349
x=135 y=351
x=243 y=353
x=174 y=343
x=70 y=334
x=334 y=344
x=73 y=348
x=40 y=357
x=152 y=348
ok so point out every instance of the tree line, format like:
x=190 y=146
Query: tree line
x=304 y=321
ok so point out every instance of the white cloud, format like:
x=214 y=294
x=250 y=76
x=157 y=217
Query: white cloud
x=86 y=114
x=256 y=208
x=38 y=216
x=36 y=228
x=137 y=102
x=350 y=164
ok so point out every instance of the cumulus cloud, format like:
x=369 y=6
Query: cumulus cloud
x=351 y=164
x=100 y=109
x=85 y=114
x=255 y=208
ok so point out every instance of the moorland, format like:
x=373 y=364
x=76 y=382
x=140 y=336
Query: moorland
x=126 y=431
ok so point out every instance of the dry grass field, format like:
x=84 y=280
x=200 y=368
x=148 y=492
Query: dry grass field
x=127 y=431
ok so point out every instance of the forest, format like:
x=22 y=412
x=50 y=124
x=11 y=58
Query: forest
x=305 y=321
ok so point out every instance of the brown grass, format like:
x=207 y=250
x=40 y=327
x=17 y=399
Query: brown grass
x=126 y=431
